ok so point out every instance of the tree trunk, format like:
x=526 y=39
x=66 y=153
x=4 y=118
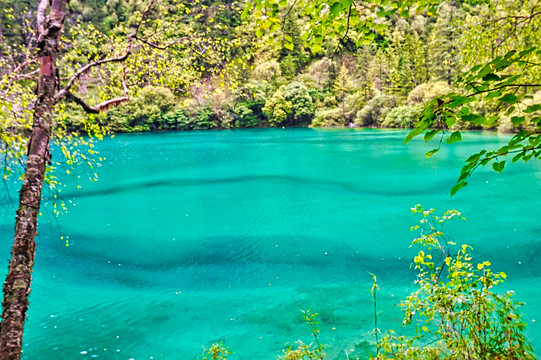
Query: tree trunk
x=18 y=279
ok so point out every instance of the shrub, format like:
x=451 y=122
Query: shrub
x=268 y=71
x=322 y=71
x=308 y=81
x=290 y=104
x=301 y=103
x=352 y=104
x=277 y=108
x=216 y=351
x=401 y=117
x=178 y=119
x=428 y=91
x=248 y=114
x=328 y=118
x=457 y=313
x=289 y=66
x=143 y=112
x=375 y=110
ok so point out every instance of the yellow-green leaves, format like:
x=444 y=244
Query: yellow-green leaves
x=480 y=266
x=452 y=295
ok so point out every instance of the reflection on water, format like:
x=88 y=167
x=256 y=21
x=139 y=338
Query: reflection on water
x=195 y=237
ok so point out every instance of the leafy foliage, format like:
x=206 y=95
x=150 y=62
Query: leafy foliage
x=375 y=110
x=401 y=117
x=216 y=351
x=302 y=351
x=497 y=82
x=456 y=311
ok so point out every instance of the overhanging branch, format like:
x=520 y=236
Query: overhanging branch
x=121 y=58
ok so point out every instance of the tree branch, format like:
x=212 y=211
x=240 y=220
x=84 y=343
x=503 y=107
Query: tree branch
x=62 y=93
x=40 y=15
x=502 y=87
x=103 y=106
x=161 y=47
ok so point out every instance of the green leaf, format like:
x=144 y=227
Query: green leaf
x=315 y=48
x=509 y=99
x=475 y=68
x=450 y=121
x=510 y=53
x=457 y=187
x=288 y=45
x=517 y=157
x=517 y=120
x=498 y=166
x=486 y=70
x=380 y=27
x=510 y=79
x=526 y=52
x=473 y=118
x=473 y=158
x=335 y=9
x=510 y=110
x=430 y=134
x=454 y=137
x=532 y=108
x=534 y=141
x=414 y=133
x=491 y=77
x=491 y=120
x=460 y=100
x=493 y=94
x=431 y=152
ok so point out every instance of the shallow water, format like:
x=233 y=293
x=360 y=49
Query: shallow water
x=189 y=238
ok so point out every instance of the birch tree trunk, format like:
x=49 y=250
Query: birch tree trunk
x=17 y=283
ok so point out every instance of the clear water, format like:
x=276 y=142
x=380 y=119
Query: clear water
x=194 y=237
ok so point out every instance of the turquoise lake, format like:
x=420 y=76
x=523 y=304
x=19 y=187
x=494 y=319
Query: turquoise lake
x=189 y=238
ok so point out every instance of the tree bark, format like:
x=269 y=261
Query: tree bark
x=17 y=283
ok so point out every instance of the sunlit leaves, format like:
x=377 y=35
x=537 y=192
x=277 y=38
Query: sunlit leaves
x=454 y=294
x=327 y=21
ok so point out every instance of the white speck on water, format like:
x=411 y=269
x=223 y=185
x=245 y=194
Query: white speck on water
x=83 y=353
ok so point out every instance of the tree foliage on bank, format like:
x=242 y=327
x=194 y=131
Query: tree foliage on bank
x=370 y=59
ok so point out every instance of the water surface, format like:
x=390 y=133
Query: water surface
x=190 y=238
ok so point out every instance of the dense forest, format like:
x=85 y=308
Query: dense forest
x=222 y=73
